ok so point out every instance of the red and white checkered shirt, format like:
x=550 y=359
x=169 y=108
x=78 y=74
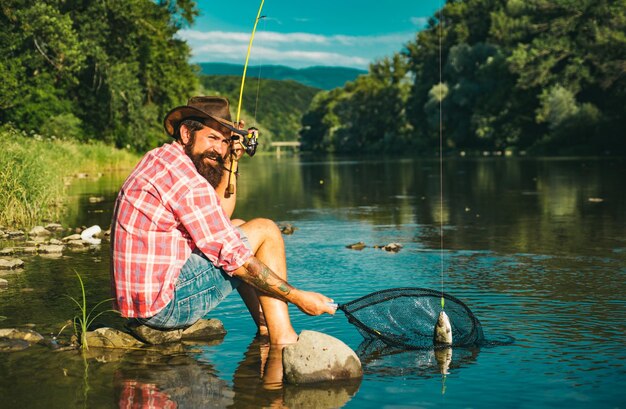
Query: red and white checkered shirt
x=163 y=212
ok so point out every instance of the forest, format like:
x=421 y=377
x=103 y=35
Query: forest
x=521 y=76
x=94 y=70
x=536 y=76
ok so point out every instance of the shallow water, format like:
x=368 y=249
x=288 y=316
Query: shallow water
x=535 y=247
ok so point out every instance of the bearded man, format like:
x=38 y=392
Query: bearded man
x=175 y=252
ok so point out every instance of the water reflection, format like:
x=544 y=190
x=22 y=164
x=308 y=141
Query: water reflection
x=165 y=379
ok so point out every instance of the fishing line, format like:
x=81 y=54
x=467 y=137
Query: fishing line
x=258 y=84
x=441 y=153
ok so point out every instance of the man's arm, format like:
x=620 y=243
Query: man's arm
x=258 y=275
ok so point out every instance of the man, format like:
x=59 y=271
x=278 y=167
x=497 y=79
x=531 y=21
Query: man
x=175 y=253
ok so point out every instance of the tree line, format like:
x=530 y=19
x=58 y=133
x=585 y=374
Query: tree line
x=540 y=76
x=84 y=70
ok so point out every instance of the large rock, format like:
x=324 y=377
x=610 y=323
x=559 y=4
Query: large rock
x=111 y=338
x=205 y=330
x=318 y=357
x=202 y=330
x=155 y=336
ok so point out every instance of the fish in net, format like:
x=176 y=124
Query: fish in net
x=406 y=317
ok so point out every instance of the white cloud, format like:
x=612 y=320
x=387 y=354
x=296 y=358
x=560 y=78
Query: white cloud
x=419 y=22
x=294 y=49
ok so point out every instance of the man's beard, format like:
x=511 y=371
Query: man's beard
x=213 y=174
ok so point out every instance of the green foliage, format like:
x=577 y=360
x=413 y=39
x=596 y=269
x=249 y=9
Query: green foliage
x=367 y=115
x=111 y=68
x=539 y=75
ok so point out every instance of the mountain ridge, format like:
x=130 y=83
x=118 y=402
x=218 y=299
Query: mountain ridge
x=322 y=77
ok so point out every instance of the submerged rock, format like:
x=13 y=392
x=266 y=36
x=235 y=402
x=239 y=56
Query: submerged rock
x=4 y=283
x=318 y=357
x=51 y=249
x=287 y=228
x=27 y=335
x=356 y=246
x=12 y=345
x=391 y=247
x=10 y=264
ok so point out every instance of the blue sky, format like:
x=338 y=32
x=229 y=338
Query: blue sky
x=299 y=34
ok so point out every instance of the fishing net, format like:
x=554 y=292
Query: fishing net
x=406 y=317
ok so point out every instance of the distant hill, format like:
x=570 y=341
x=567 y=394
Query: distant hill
x=278 y=110
x=317 y=77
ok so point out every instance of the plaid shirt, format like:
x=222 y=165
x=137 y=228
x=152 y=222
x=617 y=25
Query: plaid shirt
x=163 y=212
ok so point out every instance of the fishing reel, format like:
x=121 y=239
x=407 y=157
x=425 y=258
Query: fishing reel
x=247 y=139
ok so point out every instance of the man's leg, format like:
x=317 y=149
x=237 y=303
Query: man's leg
x=267 y=245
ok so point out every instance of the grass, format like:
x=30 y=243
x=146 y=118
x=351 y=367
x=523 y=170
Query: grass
x=86 y=317
x=33 y=171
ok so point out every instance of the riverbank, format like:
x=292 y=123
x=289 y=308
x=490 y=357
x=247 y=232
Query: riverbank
x=35 y=172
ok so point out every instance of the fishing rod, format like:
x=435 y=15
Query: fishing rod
x=247 y=140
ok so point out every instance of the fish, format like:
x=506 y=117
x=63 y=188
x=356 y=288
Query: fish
x=442 y=334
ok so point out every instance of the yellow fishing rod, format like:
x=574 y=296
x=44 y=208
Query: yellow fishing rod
x=249 y=145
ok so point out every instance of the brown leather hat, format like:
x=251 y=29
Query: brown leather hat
x=215 y=108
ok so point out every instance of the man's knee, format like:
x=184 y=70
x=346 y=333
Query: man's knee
x=261 y=229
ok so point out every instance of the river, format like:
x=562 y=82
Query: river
x=536 y=248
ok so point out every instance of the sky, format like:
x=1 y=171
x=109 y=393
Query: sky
x=299 y=34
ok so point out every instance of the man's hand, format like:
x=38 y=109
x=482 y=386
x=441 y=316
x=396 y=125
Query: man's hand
x=312 y=303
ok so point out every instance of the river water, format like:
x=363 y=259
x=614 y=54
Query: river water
x=536 y=248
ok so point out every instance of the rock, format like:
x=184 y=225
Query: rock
x=287 y=228
x=12 y=345
x=318 y=357
x=54 y=226
x=96 y=199
x=39 y=231
x=111 y=338
x=27 y=335
x=4 y=283
x=15 y=233
x=71 y=237
x=26 y=250
x=205 y=330
x=7 y=251
x=10 y=264
x=76 y=243
x=51 y=249
x=391 y=247
x=155 y=336
x=356 y=246
x=56 y=242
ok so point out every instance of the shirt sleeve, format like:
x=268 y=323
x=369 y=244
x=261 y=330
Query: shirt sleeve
x=202 y=216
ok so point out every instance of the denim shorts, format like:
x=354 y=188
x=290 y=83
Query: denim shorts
x=200 y=287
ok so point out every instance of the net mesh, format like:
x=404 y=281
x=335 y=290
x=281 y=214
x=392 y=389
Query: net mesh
x=406 y=317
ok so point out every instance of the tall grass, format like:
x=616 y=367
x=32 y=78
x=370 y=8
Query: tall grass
x=33 y=172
